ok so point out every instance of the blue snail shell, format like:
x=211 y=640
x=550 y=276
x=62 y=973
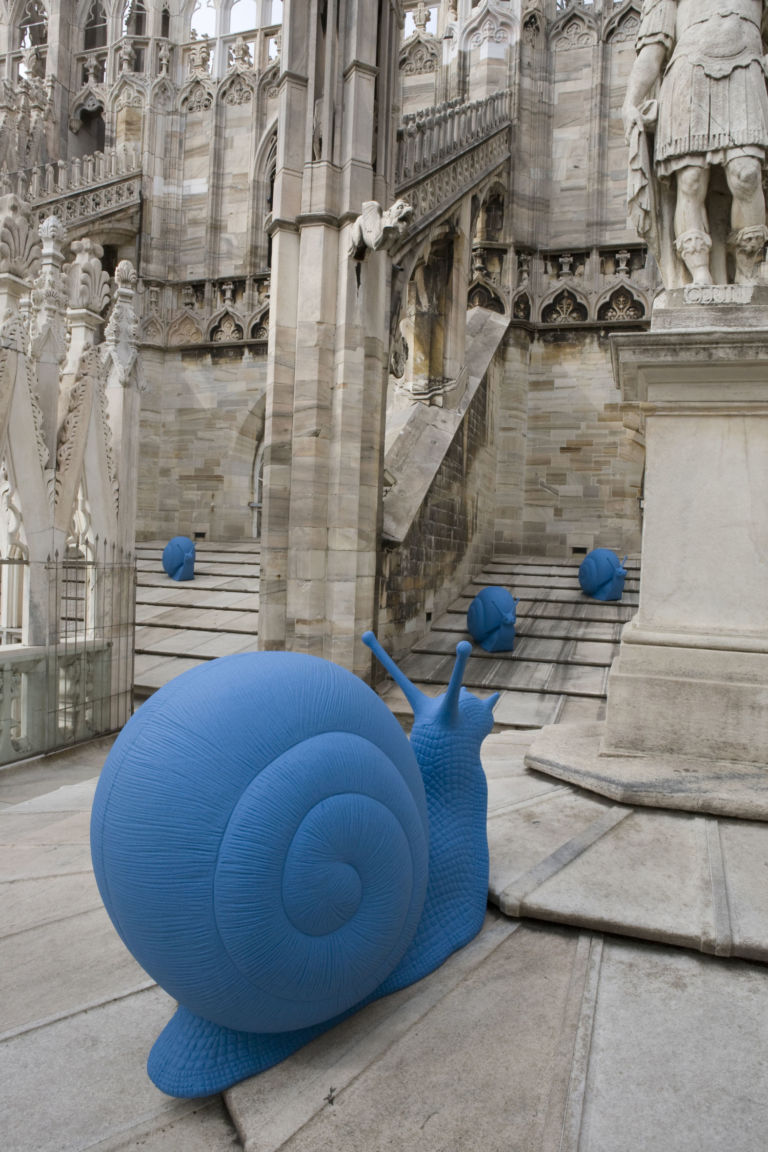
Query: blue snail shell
x=179 y=558
x=260 y=840
x=491 y=619
x=602 y=575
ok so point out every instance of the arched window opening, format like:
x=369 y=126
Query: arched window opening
x=95 y=27
x=33 y=28
x=165 y=24
x=203 y=20
x=93 y=133
x=243 y=16
x=276 y=16
x=257 y=485
x=135 y=19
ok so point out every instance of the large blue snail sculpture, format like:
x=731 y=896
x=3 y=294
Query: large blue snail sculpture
x=276 y=854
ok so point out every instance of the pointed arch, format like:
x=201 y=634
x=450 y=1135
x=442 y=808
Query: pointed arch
x=621 y=303
x=226 y=326
x=624 y=23
x=576 y=28
x=564 y=306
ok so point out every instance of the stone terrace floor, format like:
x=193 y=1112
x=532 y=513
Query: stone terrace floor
x=602 y=1009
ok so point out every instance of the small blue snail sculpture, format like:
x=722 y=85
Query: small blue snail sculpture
x=602 y=574
x=276 y=854
x=491 y=619
x=179 y=558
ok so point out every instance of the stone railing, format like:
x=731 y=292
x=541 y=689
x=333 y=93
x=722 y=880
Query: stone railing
x=63 y=177
x=431 y=137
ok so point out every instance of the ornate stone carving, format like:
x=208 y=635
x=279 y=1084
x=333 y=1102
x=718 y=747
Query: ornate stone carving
x=489 y=30
x=48 y=298
x=89 y=378
x=19 y=247
x=260 y=327
x=376 y=228
x=576 y=33
x=521 y=309
x=184 y=330
x=227 y=330
x=87 y=284
x=621 y=305
x=43 y=453
x=398 y=356
x=237 y=91
x=565 y=308
x=200 y=58
x=198 y=99
x=419 y=56
x=121 y=336
x=11 y=523
x=241 y=54
x=626 y=30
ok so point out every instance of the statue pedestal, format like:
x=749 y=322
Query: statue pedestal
x=687 y=717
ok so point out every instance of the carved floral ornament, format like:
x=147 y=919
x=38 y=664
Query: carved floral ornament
x=420 y=56
x=226 y=330
x=565 y=308
x=238 y=91
x=490 y=30
x=198 y=99
x=621 y=305
x=576 y=33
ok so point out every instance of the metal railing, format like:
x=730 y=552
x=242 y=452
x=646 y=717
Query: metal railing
x=76 y=680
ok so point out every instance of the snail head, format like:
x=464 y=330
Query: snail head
x=454 y=708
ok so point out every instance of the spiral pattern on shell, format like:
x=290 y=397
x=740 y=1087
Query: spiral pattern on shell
x=260 y=840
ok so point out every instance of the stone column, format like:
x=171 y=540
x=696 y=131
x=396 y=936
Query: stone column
x=692 y=675
x=326 y=376
x=687 y=716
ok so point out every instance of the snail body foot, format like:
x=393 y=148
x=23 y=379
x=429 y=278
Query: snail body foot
x=193 y=1057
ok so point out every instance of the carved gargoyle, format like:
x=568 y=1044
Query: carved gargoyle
x=375 y=229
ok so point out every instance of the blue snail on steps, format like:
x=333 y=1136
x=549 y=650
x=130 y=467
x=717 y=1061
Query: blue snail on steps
x=491 y=619
x=602 y=574
x=276 y=854
x=179 y=558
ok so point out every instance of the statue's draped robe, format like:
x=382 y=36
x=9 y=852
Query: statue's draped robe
x=713 y=96
x=712 y=106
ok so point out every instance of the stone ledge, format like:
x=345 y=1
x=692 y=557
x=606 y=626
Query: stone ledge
x=690 y=784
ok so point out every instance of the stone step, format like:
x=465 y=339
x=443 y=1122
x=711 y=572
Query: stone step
x=537 y=1039
x=564 y=646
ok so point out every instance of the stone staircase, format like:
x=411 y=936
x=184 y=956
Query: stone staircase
x=557 y=673
x=564 y=646
x=179 y=625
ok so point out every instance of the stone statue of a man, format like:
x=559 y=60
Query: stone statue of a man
x=711 y=112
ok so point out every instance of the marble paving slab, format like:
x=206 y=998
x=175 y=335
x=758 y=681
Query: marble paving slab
x=574 y=857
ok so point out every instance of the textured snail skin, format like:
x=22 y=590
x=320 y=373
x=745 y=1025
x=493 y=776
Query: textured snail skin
x=602 y=575
x=436 y=880
x=179 y=558
x=491 y=619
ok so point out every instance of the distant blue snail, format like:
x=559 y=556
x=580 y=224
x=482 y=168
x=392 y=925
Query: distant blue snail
x=276 y=854
x=602 y=574
x=491 y=619
x=179 y=558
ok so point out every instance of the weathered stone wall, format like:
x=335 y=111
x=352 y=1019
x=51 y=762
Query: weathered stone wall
x=453 y=533
x=583 y=468
x=201 y=425
x=511 y=440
